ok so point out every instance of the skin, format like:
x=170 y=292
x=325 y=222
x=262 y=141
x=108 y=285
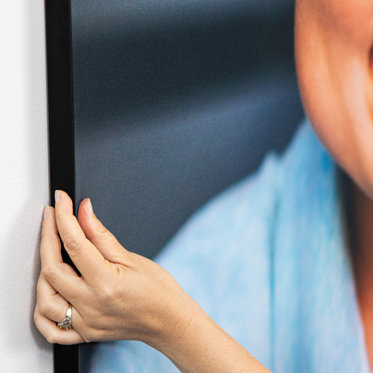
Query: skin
x=334 y=58
x=123 y=296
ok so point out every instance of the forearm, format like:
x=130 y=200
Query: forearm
x=203 y=347
x=123 y=296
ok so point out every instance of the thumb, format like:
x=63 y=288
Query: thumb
x=99 y=235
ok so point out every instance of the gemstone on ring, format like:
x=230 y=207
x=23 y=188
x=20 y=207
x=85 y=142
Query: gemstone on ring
x=66 y=323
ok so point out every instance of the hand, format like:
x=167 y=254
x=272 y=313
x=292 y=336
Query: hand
x=123 y=296
x=119 y=296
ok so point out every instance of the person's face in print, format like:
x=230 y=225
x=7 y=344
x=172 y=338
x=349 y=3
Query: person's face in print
x=334 y=57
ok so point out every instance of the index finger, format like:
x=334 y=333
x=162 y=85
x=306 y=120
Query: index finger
x=82 y=252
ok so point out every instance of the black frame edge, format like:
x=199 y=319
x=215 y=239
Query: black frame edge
x=61 y=130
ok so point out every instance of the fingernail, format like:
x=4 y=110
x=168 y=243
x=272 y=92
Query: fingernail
x=90 y=208
x=46 y=212
x=57 y=195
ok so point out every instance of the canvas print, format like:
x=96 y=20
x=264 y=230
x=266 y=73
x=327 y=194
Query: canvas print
x=210 y=170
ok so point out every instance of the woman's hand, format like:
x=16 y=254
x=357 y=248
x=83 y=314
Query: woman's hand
x=123 y=296
x=119 y=296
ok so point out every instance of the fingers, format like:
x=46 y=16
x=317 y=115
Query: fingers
x=65 y=281
x=50 y=245
x=50 y=304
x=51 y=308
x=53 y=333
x=52 y=265
x=82 y=252
x=99 y=235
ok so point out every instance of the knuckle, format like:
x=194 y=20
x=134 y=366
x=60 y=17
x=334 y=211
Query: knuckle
x=89 y=328
x=87 y=338
x=107 y=293
x=51 y=337
x=89 y=335
x=49 y=272
x=102 y=230
x=72 y=244
x=45 y=307
x=93 y=331
x=102 y=233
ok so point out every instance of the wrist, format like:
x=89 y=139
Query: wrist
x=175 y=323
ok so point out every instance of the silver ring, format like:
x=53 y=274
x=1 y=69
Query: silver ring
x=66 y=323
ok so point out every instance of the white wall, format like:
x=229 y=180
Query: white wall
x=24 y=184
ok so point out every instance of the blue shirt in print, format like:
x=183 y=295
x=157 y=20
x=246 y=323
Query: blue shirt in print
x=267 y=260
